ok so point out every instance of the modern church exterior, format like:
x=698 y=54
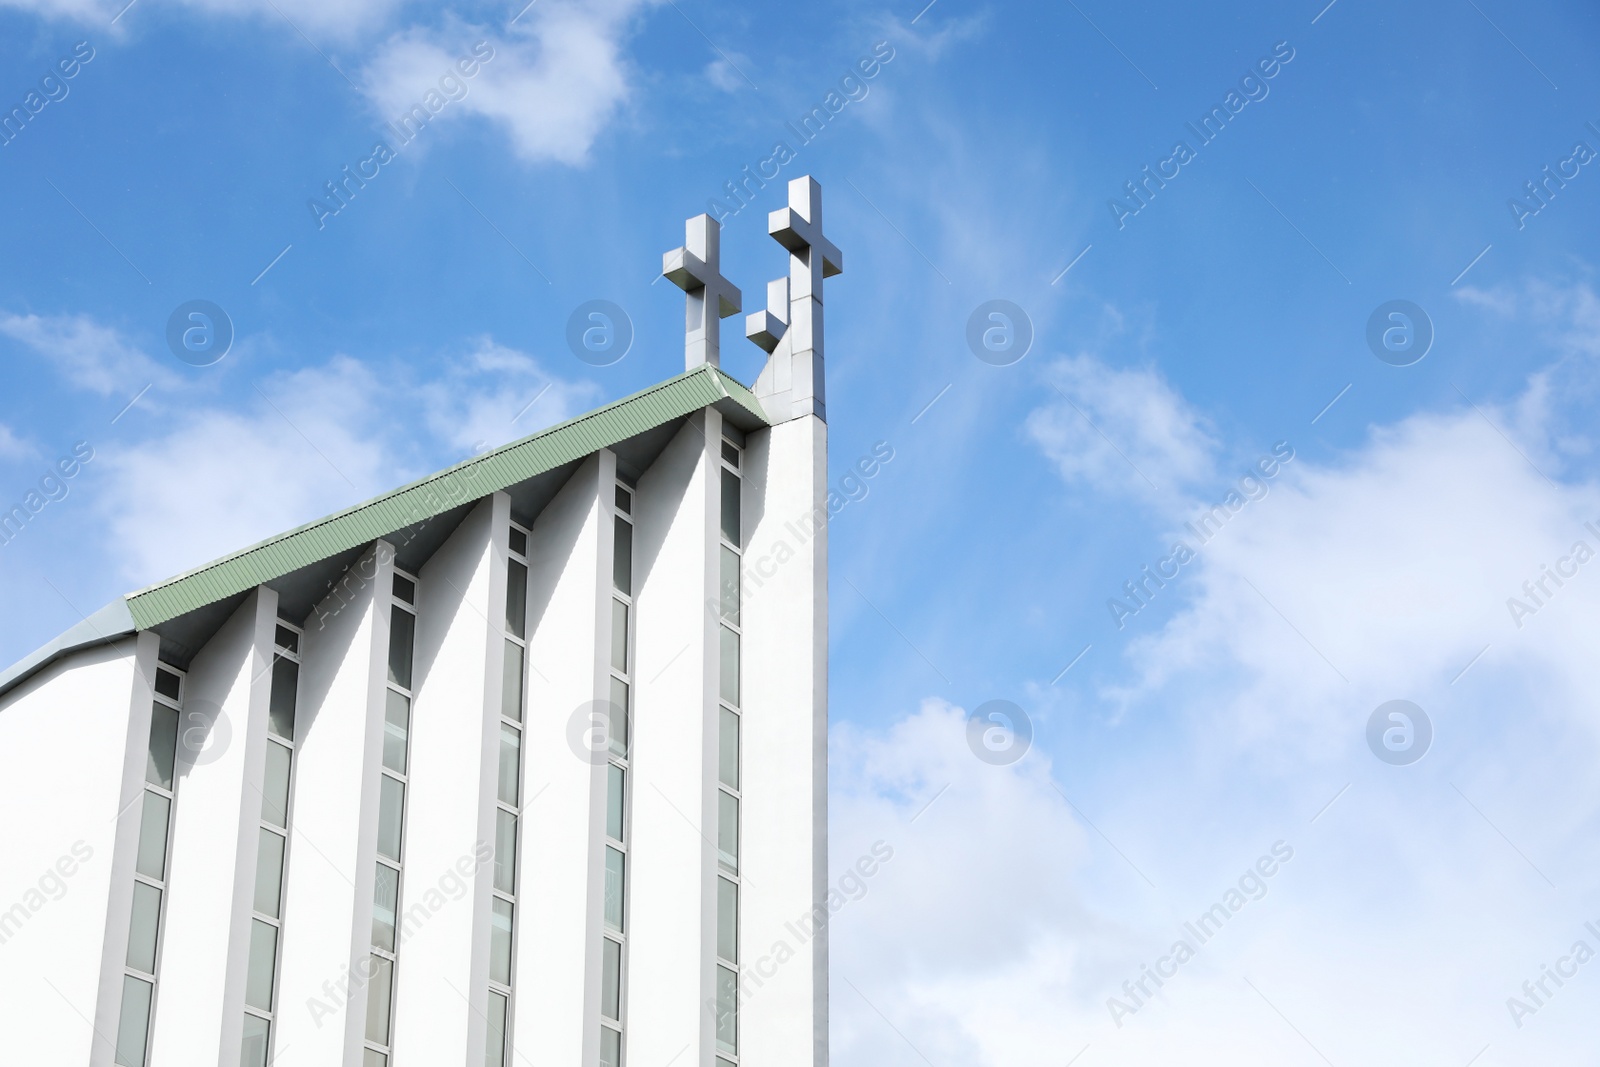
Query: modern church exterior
x=516 y=764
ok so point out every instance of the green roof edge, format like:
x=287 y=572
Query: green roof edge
x=471 y=479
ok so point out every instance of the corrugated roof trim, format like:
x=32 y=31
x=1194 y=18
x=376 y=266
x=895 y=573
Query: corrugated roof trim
x=470 y=480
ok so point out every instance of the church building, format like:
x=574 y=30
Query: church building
x=518 y=764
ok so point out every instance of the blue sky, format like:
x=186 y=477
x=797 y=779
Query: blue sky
x=1187 y=339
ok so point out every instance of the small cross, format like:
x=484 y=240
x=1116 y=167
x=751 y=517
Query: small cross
x=696 y=269
x=792 y=383
x=798 y=228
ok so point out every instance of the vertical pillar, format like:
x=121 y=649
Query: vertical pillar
x=557 y=979
x=222 y=737
x=783 y=1017
x=329 y=882
x=673 y=897
x=441 y=973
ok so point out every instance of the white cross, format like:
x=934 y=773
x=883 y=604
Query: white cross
x=792 y=383
x=798 y=228
x=696 y=269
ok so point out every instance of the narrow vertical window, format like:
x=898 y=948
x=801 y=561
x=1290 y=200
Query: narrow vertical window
x=508 y=794
x=150 y=872
x=614 y=938
x=388 y=883
x=272 y=852
x=729 y=729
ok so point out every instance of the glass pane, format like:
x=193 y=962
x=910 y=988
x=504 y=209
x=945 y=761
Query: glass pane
x=142 y=929
x=396 y=724
x=518 y=542
x=287 y=639
x=269 y=872
x=263 y=960
x=730 y=666
x=495 y=1052
x=618 y=726
x=133 y=1030
x=727 y=1010
x=275 y=789
x=616 y=788
x=511 y=682
x=517 y=599
x=728 y=749
x=615 y=877
x=727 y=920
x=728 y=831
x=391 y=811
x=505 y=851
x=402 y=633
x=285 y=679
x=624 y=501
x=619 y=635
x=370 y=1058
x=152 y=861
x=385 y=899
x=167 y=684
x=405 y=589
x=730 y=506
x=730 y=585
x=163 y=744
x=256 y=1033
x=730 y=453
x=500 y=941
x=510 y=763
x=378 y=1000
x=610 y=1047
x=610 y=979
x=622 y=556
x=724 y=1063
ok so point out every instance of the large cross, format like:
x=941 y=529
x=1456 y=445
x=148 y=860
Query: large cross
x=793 y=377
x=696 y=269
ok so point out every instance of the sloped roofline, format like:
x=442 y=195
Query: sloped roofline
x=471 y=479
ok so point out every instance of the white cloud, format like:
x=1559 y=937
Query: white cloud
x=90 y=356
x=1122 y=431
x=557 y=76
x=497 y=394
x=1413 y=907
x=339 y=17
x=310 y=443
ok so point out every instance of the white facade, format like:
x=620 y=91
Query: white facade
x=561 y=729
